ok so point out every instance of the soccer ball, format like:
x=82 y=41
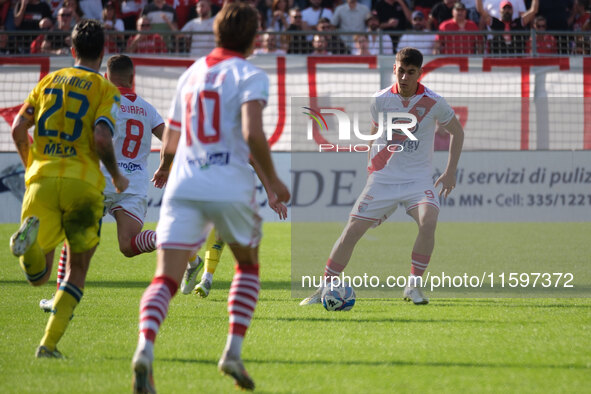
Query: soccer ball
x=340 y=298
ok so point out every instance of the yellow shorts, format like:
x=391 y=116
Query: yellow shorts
x=67 y=208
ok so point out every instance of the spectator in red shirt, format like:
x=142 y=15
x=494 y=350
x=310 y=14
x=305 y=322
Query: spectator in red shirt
x=5 y=11
x=184 y=11
x=459 y=44
x=545 y=43
x=440 y=12
x=37 y=46
x=580 y=15
x=580 y=20
x=144 y=42
x=57 y=40
x=112 y=25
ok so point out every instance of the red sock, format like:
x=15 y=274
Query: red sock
x=243 y=297
x=61 y=267
x=419 y=263
x=333 y=268
x=154 y=305
x=144 y=242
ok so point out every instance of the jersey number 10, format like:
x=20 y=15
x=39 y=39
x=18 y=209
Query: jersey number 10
x=204 y=95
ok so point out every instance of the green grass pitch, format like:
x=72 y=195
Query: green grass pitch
x=453 y=345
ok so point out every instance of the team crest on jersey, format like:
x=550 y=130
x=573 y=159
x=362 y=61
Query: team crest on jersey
x=421 y=111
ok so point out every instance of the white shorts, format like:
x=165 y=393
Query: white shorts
x=133 y=205
x=378 y=201
x=185 y=224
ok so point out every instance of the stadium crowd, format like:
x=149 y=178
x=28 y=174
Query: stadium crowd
x=359 y=27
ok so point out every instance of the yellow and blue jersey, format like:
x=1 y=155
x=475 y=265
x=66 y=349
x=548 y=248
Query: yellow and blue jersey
x=65 y=106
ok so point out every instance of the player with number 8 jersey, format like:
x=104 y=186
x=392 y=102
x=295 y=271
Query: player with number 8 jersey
x=133 y=140
x=137 y=121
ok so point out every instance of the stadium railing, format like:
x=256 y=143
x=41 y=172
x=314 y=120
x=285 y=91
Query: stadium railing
x=489 y=43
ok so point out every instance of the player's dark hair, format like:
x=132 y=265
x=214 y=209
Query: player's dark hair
x=88 y=39
x=235 y=27
x=120 y=65
x=410 y=57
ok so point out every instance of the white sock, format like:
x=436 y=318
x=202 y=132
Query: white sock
x=234 y=346
x=147 y=346
x=415 y=281
x=207 y=276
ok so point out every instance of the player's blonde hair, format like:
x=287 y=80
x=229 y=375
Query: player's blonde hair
x=235 y=27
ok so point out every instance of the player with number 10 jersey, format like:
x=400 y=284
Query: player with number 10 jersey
x=214 y=89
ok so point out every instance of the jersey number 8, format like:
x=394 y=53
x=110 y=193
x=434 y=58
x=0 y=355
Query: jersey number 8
x=130 y=136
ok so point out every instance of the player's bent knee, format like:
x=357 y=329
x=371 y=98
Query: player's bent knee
x=127 y=251
x=125 y=247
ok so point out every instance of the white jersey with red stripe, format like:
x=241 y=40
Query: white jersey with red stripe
x=414 y=162
x=211 y=161
x=132 y=141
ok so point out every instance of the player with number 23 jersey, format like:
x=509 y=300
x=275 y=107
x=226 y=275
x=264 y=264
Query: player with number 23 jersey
x=66 y=105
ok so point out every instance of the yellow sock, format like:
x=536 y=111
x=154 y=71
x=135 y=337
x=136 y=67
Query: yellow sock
x=213 y=252
x=65 y=301
x=33 y=263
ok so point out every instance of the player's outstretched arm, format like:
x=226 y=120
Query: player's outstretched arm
x=252 y=130
x=104 y=147
x=448 y=178
x=20 y=136
x=170 y=141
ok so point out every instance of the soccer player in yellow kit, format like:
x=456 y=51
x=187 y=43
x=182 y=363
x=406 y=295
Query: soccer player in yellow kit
x=73 y=111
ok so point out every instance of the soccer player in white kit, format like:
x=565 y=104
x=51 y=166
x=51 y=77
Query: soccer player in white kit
x=214 y=123
x=137 y=120
x=403 y=177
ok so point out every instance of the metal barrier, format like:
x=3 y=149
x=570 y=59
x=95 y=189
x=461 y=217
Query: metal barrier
x=194 y=44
